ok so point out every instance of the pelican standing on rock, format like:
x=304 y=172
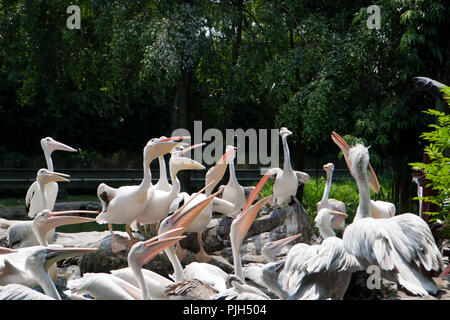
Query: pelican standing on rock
x=401 y=246
x=286 y=179
x=33 y=202
x=233 y=191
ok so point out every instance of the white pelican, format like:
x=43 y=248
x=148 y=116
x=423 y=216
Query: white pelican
x=123 y=205
x=286 y=179
x=326 y=202
x=159 y=206
x=29 y=267
x=401 y=246
x=233 y=191
x=215 y=174
x=33 y=202
x=20 y=234
x=313 y=272
x=378 y=209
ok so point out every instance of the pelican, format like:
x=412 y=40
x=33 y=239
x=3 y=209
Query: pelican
x=378 y=209
x=33 y=202
x=286 y=179
x=123 y=205
x=29 y=267
x=219 y=205
x=313 y=272
x=401 y=246
x=233 y=192
x=325 y=202
x=20 y=234
x=159 y=206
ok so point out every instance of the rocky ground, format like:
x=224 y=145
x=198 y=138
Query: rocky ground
x=217 y=243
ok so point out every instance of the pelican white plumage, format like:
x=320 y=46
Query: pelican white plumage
x=313 y=272
x=233 y=192
x=33 y=201
x=214 y=174
x=20 y=234
x=378 y=209
x=29 y=267
x=286 y=179
x=326 y=202
x=162 y=184
x=123 y=205
x=158 y=207
x=401 y=246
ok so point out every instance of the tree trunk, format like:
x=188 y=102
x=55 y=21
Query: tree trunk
x=238 y=41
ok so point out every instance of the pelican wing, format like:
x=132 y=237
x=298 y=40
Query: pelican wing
x=104 y=286
x=31 y=192
x=16 y=291
x=400 y=246
x=223 y=206
x=105 y=193
x=302 y=177
x=192 y=289
x=273 y=172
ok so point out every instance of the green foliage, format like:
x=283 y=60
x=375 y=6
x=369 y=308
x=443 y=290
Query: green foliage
x=438 y=171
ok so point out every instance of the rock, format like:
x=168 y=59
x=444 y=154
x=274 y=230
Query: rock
x=13 y=213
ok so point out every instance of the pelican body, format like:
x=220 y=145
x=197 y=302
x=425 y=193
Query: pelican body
x=33 y=201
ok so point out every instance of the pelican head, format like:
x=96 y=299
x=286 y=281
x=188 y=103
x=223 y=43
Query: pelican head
x=272 y=248
x=143 y=251
x=327 y=220
x=46 y=220
x=51 y=145
x=359 y=158
x=284 y=132
x=40 y=261
x=328 y=167
x=45 y=176
x=157 y=147
x=179 y=162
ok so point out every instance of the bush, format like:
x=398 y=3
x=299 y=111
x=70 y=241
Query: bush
x=438 y=171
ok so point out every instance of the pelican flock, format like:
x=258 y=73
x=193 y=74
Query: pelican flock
x=400 y=246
